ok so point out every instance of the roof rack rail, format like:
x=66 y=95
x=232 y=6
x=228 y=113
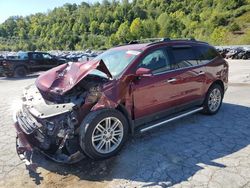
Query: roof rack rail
x=149 y=40
x=178 y=39
x=152 y=41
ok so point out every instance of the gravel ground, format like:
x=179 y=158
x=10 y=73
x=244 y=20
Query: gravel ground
x=197 y=151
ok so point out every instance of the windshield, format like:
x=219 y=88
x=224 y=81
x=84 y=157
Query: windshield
x=116 y=61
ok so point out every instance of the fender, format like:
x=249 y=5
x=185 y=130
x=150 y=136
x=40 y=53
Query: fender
x=105 y=102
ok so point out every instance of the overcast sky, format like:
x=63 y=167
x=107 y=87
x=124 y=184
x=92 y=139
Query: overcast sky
x=26 y=7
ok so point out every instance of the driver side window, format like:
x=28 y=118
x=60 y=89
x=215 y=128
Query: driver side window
x=157 y=61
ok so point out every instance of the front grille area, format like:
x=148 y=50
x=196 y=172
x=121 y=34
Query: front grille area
x=26 y=121
x=48 y=96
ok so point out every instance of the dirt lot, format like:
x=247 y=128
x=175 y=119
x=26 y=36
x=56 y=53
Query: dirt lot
x=197 y=151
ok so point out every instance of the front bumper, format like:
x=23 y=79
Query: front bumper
x=25 y=151
x=23 y=148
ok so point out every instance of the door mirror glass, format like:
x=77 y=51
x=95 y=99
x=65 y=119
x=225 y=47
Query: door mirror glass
x=143 y=72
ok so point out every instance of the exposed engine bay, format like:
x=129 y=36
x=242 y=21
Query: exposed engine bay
x=51 y=122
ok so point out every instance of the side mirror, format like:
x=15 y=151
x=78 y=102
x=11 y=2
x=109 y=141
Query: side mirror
x=143 y=72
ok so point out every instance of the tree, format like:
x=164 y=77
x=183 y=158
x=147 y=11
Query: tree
x=111 y=22
x=170 y=26
x=136 y=29
x=151 y=28
x=105 y=28
x=123 y=33
x=94 y=27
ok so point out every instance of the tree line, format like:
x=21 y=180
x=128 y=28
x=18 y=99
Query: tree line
x=103 y=25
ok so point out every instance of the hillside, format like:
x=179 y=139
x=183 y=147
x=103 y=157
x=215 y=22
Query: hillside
x=98 y=26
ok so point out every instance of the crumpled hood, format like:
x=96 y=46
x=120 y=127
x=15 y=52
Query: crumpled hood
x=64 y=77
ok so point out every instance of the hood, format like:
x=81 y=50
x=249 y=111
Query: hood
x=61 y=79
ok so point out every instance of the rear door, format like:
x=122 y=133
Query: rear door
x=190 y=76
x=208 y=58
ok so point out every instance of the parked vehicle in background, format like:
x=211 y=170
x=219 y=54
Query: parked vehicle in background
x=234 y=52
x=80 y=57
x=28 y=62
x=76 y=56
x=244 y=54
x=89 y=109
x=1 y=58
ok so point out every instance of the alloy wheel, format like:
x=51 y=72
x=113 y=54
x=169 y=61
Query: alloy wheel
x=214 y=100
x=107 y=135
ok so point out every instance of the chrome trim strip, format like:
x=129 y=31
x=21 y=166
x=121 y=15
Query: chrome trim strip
x=171 y=119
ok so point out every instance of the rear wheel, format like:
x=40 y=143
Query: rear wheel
x=213 y=100
x=103 y=133
x=20 y=72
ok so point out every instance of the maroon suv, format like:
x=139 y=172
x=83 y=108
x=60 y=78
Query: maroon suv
x=90 y=108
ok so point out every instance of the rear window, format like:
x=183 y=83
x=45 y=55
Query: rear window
x=184 y=57
x=205 y=54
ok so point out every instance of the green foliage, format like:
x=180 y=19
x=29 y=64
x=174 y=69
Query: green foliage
x=112 y=22
x=137 y=29
x=218 y=35
x=123 y=34
x=234 y=27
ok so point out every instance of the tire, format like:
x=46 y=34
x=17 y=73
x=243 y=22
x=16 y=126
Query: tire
x=20 y=72
x=212 y=105
x=108 y=141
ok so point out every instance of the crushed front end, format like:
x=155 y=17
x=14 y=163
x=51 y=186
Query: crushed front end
x=50 y=122
x=49 y=127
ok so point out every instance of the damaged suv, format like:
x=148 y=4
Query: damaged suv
x=89 y=108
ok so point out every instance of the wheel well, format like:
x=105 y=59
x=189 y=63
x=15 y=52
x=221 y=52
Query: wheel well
x=220 y=83
x=22 y=66
x=121 y=108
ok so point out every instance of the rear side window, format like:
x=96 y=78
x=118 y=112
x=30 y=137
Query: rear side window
x=205 y=54
x=184 y=57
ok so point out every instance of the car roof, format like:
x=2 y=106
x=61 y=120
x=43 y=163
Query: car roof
x=141 y=46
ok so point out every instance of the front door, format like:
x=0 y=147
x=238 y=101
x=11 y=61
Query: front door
x=48 y=61
x=36 y=62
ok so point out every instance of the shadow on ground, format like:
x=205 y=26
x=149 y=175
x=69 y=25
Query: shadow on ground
x=170 y=154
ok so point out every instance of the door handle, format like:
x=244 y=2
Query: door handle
x=201 y=73
x=170 y=80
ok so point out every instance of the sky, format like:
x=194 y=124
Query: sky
x=26 y=7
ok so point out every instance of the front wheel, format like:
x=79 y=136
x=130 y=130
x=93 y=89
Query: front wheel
x=213 y=100
x=103 y=133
